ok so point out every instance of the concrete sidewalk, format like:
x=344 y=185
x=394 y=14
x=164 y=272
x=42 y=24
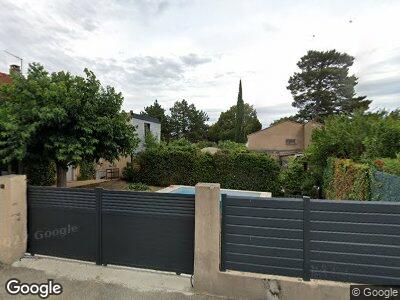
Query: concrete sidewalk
x=82 y=280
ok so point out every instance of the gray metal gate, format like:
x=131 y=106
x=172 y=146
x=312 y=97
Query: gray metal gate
x=139 y=229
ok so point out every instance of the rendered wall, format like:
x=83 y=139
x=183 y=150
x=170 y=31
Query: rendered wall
x=13 y=218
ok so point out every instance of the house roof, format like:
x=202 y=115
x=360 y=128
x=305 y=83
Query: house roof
x=287 y=121
x=145 y=118
x=5 y=78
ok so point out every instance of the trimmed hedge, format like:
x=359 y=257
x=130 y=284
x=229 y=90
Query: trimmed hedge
x=347 y=180
x=244 y=171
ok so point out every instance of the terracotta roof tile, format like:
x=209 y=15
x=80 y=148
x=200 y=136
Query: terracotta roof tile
x=5 y=78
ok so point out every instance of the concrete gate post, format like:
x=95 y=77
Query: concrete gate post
x=13 y=218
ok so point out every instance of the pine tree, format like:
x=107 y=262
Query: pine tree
x=323 y=87
x=239 y=132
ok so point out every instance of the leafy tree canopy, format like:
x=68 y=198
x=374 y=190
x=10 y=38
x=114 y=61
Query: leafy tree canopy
x=362 y=136
x=225 y=127
x=323 y=87
x=64 y=118
x=188 y=122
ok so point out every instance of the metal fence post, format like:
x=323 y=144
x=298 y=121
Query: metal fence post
x=222 y=211
x=306 y=239
x=99 y=199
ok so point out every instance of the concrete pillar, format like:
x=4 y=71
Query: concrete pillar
x=208 y=278
x=13 y=218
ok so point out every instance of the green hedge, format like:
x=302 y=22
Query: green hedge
x=347 y=180
x=87 y=170
x=246 y=171
x=388 y=165
x=40 y=172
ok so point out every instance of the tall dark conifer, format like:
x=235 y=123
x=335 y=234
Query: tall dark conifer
x=239 y=132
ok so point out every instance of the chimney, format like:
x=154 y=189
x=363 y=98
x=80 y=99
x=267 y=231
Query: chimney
x=15 y=68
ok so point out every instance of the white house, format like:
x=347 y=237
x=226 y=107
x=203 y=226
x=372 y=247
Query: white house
x=144 y=124
x=106 y=169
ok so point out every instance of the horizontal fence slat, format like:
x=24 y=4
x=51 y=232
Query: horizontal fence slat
x=264 y=241
x=264 y=231
x=264 y=222
x=353 y=257
x=355 y=217
x=263 y=250
x=264 y=212
x=372 y=228
x=355 y=248
x=356 y=206
x=281 y=203
x=264 y=260
x=348 y=237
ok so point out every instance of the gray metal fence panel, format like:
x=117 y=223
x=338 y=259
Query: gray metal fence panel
x=355 y=241
x=263 y=235
x=62 y=222
x=323 y=239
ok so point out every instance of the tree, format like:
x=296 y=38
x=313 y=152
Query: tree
x=225 y=128
x=157 y=111
x=239 y=131
x=362 y=136
x=283 y=119
x=323 y=87
x=188 y=122
x=64 y=118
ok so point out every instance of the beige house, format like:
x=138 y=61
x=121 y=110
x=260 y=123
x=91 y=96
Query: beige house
x=284 y=139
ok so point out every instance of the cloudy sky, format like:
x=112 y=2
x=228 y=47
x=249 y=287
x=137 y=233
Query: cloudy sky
x=199 y=49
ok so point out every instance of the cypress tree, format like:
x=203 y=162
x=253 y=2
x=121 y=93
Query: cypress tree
x=239 y=131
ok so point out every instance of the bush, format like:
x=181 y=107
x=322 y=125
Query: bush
x=248 y=171
x=87 y=170
x=138 y=187
x=232 y=146
x=40 y=172
x=388 y=165
x=345 y=179
x=204 y=144
x=297 y=179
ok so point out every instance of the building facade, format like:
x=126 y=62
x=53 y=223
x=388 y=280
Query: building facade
x=283 y=139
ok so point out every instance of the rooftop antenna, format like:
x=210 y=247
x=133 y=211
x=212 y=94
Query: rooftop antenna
x=17 y=57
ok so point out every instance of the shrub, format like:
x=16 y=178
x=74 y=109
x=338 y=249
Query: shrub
x=87 y=170
x=388 y=165
x=232 y=146
x=297 y=179
x=249 y=171
x=345 y=179
x=138 y=187
x=204 y=144
x=40 y=172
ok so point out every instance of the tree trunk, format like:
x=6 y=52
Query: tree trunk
x=61 y=175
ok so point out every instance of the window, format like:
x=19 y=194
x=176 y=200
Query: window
x=146 y=128
x=290 y=142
